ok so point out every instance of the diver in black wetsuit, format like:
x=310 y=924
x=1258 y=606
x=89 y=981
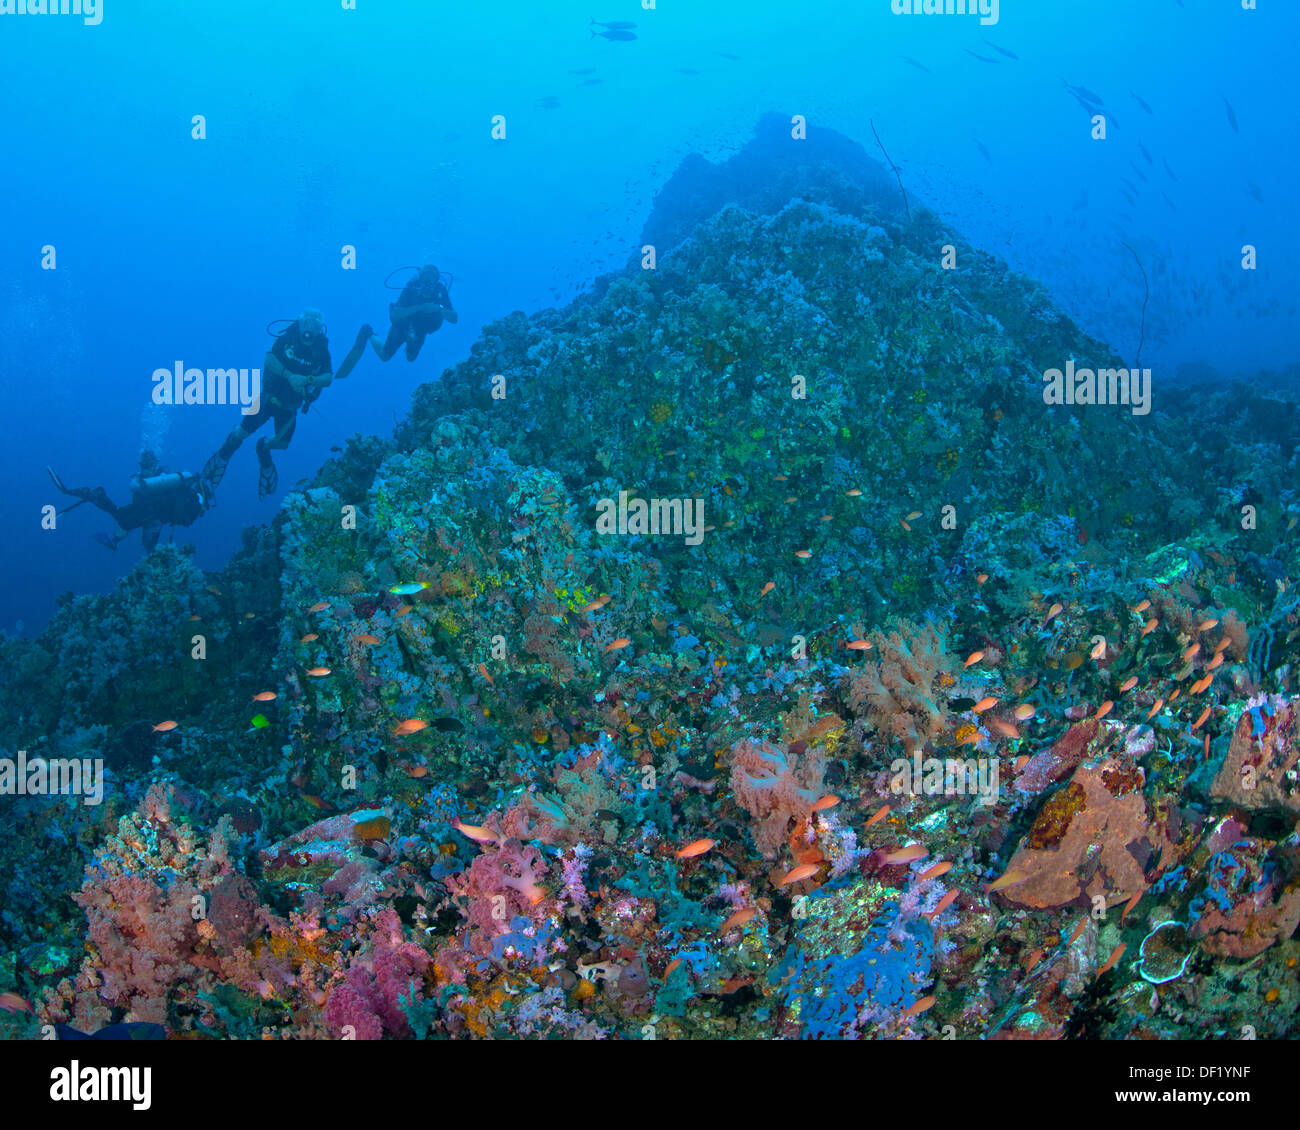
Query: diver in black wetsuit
x=158 y=498
x=295 y=371
x=420 y=310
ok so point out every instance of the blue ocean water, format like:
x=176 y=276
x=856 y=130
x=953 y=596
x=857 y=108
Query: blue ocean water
x=369 y=126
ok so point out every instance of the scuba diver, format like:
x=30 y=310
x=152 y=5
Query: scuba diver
x=420 y=310
x=158 y=498
x=295 y=371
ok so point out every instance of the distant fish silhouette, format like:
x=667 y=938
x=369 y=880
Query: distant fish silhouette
x=981 y=58
x=1145 y=154
x=1168 y=169
x=1141 y=103
x=1256 y=191
x=727 y=55
x=616 y=34
x=1086 y=94
x=1232 y=115
x=1003 y=51
x=984 y=152
x=918 y=66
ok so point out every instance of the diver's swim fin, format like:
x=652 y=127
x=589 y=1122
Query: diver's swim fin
x=58 y=482
x=214 y=470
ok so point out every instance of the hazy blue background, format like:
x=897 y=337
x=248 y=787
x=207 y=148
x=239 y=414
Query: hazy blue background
x=371 y=127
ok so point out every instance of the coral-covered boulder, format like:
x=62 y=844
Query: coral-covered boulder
x=1260 y=770
x=1090 y=838
x=1247 y=903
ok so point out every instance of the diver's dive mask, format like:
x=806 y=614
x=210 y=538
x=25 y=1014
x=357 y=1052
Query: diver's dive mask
x=310 y=326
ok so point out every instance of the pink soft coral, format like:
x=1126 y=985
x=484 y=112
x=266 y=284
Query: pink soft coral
x=369 y=999
x=501 y=884
x=773 y=787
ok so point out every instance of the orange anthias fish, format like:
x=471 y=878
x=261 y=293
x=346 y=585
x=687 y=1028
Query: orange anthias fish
x=830 y=800
x=1116 y=954
x=1054 y=611
x=858 y=645
x=739 y=918
x=1155 y=707
x=309 y=637
x=475 y=832
x=1024 y=712
x=12 y=1002
x=318 y=672
x=980 y=578
x=410 y=726
x=881 y=813
x=618 y=644
x=805 y=553
x=696 y=847
x=1128 y=684
x=935 y=871
x=973 y=658
x=907 y=855
x=1150 y=626
x=319 y=606
x=984 y=704
x=1005 y=728
x=1104 y=709
x=798 y=874
x=366 y=638
x=923 y=1005
x=1141 y=606
x=164 y=727
x=767 y=588
x=264 y=696
x=1008 y=879
x=944 y=903
x=482 y=670
x=1077 y=931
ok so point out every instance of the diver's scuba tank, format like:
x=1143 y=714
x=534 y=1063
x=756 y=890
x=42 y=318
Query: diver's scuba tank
x=156 y=484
